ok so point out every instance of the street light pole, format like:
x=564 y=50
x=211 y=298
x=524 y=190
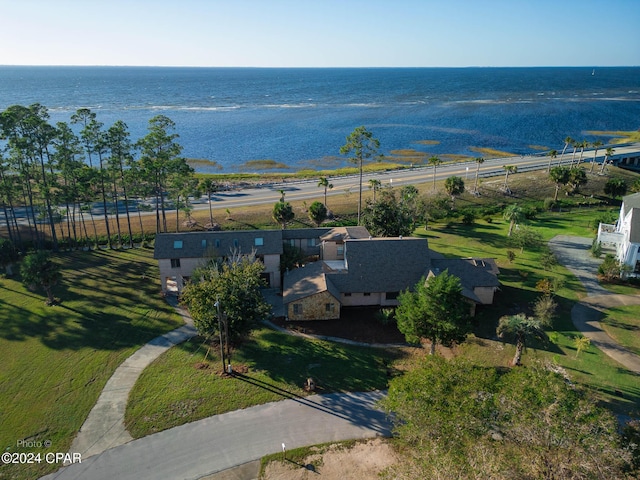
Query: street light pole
x=219 y=309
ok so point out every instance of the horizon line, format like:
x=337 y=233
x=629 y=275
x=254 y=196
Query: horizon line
x=313 y=67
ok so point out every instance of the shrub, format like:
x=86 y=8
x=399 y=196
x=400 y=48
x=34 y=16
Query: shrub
x=385 y=316
x=468 y=218
x=596 y=248
x=549 y=204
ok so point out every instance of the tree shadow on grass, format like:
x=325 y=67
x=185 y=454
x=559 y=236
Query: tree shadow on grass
x=334 y=367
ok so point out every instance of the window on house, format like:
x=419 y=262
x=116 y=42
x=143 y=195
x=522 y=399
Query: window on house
x=235 y=242
x=292 y=242
x=329 y=307
x=175 y=263
x=367 y=294
x=177 y=244
x=347 y=294
x=297 y=308
x=340 y=249
x=259 y=241
x=204 y=244
x=392 y=295
x=311 y=242
x=217 y=243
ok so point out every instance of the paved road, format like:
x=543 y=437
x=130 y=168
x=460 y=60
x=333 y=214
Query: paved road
x=217 y=443
x=308 y=189
x=574 y=253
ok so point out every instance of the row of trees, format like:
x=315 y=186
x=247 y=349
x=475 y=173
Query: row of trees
x=50 y=173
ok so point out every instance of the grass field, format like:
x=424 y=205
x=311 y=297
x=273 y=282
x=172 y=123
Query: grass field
x=185 y=384
x=56 y=360
x=615 y=386
x=623 y=325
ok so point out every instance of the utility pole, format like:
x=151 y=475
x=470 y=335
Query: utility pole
x=219 y=309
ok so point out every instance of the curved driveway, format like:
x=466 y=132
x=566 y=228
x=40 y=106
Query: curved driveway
x=220 y=442
x=574 y=254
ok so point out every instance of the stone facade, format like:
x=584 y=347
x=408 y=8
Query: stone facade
x=322 y=306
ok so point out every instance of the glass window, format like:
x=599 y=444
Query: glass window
x=259 y=241
x=367 y=294
x=217 y=243
x=392 y=295
x=311 y=242
x=175 y=263
x=297 y=308
x=177 y=244
x=204 y=244
x=329 y=307
x=235 y=242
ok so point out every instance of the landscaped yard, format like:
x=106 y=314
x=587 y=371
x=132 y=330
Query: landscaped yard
x=185 y=384
x=615 y=385
x=623 y=325
x=56 y=360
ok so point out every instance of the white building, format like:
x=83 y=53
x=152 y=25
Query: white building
x=625 y=234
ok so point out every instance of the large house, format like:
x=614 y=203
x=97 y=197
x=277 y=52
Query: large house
x=624 y=235
x=353 y=269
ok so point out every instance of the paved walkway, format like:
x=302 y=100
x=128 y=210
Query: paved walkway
x=574 y=253
x=104 y=427
x=224 y=441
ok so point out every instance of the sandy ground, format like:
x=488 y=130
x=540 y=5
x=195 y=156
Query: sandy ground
x=363 y=461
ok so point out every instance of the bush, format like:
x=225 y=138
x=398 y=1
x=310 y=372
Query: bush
x=385 y=316
x=488 y=219
x=468 y=218
x=549 y=204
x=596 y=248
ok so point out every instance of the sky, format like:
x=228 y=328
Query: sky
x=320 y=33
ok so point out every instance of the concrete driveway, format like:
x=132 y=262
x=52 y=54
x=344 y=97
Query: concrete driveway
x=217 y=443
x=574 y=253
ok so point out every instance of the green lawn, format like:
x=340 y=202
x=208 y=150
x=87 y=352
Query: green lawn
x=175 y=389
x=518 y=291
x=56 y=360
x=623 y=325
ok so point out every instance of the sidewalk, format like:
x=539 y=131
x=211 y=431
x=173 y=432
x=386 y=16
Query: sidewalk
x=104 y=427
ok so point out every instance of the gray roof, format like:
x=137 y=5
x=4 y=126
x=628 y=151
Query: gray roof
x=382 y=265
x=340 y=234
x=302 y=233
x=634 y=232
x=203 y=244
x=630 y=201
x=472 y=272
x=306 y=281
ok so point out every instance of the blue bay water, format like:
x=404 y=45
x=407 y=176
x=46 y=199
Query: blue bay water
x=301 y=117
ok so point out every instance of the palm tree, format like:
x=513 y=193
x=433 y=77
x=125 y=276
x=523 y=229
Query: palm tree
x=324 y=182
x=508 y=169
x=513 y=214
x=520 y=328
x=435 y=161
x=479 y=161
x=583 y=144
x=374 y=184
x=560 y=175
x=607 y=154
x=567 y=141
x=575 y=146
x=552 y=155
x=595 y=145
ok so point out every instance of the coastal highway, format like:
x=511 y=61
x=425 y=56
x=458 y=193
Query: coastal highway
x=348 y=185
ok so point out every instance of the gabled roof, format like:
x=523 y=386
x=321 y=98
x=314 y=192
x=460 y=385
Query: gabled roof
x=306 y=281
x=203 y=244
x=472 y=272
x=629 y=202
x=302 y=233
x=340 y=234
x=382 y=265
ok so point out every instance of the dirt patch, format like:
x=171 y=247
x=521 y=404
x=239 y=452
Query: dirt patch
x=363 y=460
